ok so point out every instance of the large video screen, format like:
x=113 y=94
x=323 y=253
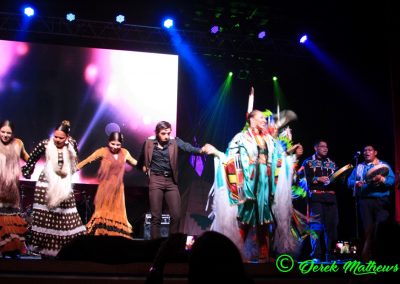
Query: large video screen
x=97 y=90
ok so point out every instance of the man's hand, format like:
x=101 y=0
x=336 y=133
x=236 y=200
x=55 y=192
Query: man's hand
x=208 y=149
x=378 y=179
x=324 y=179
x=360 y=183
x=211 y=150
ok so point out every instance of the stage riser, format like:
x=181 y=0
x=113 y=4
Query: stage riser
x=60 y=272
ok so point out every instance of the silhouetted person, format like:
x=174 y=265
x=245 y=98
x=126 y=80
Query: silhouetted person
x=215 y=257
x=382 y=247
x=171 y=250
x=382 y=243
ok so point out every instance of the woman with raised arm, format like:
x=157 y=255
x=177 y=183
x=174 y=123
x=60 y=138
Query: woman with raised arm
x=55 y=218
x=12 y=226
x=109 y=217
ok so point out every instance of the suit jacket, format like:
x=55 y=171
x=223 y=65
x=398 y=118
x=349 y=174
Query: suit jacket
x=173 y=156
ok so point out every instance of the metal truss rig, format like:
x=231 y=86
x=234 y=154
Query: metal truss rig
x=108 y=34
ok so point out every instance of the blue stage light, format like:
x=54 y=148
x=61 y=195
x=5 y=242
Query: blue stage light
x=120 y=19
x=70 y=17
x=168 y=23
x=303 y=39
x=29 y=11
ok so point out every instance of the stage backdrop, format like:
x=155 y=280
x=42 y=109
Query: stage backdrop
x=98 y=90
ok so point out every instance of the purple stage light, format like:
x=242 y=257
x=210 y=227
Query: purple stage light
x=261 y=35
x=214 y=29
x=112 y=127
x=91 y=72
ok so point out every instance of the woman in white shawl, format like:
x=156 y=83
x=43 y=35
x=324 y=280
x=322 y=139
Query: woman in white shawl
x=55 y=219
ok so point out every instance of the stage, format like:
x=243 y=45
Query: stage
x=49 y=271
x=105 y=259
x=46 y=271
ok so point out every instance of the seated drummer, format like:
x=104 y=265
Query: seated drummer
x=373 y=190
x=322 y=201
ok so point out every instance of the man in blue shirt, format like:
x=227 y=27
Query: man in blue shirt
x=372 y=190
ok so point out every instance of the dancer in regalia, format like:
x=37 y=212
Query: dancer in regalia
x=55 y=218
x=252 y=186
x=12 y=226
x=109 y=217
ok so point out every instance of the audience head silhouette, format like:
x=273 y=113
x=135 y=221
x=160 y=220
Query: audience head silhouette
x=214 y=256
x=381 y=244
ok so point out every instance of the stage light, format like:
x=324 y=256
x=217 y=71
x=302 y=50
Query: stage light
x=215 y=29
x=120 y=19
x=70 y=17
x=230 y=74
x=261 y=35
x=29 y=11
x=303 y=39
x=168 y=23
x=274 y=78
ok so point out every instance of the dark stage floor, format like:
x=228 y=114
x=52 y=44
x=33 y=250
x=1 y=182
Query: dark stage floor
x=106 y=259
x=43 y=271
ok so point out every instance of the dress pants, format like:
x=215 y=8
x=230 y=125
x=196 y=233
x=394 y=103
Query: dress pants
x=325 y=224
x=373 y=211
x=161 y=187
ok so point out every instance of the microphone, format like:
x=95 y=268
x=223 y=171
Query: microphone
x=357 y=154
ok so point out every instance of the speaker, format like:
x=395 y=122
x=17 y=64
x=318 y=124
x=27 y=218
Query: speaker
x=164 y=230
x=110 y=249
x=165 y=218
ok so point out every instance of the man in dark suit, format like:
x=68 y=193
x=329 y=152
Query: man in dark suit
x=159 y=160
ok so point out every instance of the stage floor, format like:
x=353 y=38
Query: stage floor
x=50 y=271
x=105 y=259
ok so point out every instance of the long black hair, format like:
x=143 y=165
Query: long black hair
x=116 y=136
x=8 y=123
x=65 y=127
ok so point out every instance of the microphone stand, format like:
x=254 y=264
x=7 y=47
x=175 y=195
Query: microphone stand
x=355 y=196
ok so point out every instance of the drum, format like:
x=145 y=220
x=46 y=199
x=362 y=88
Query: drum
x=380 y=169
x=341 y=174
